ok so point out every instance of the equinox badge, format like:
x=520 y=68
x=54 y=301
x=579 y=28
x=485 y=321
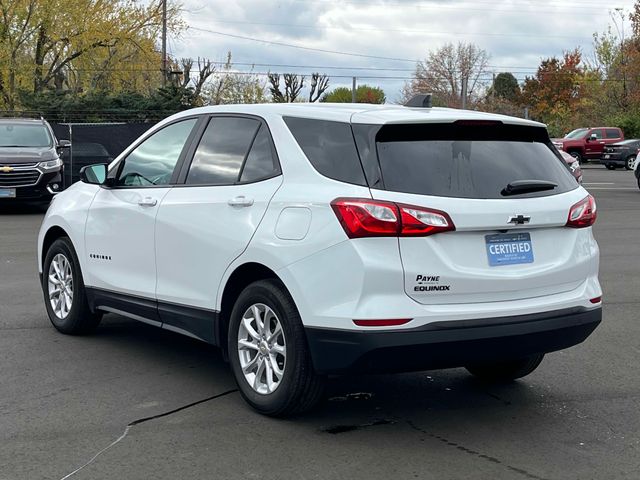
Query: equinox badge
x=519 y=219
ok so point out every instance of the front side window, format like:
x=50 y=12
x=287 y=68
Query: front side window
x=597 y=133
x=12 y=135
x=153 y=161
x=222 y=151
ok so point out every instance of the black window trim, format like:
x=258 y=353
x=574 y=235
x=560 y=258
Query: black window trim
x=113 y=172
x=181 y=181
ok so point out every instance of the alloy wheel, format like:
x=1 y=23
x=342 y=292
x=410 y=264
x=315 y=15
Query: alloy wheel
x=262 y=348
x=60 y=286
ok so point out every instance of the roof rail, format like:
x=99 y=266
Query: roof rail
x=27 y=114
x=422 y=100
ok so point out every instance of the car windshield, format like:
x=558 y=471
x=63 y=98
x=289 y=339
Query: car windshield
x=12 y=135
x=578 y=133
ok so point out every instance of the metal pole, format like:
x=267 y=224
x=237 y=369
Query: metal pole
x=353 y=91
x=526 y=113
x=164 y=42
x=464 y=93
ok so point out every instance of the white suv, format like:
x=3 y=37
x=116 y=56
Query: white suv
x=308 y=240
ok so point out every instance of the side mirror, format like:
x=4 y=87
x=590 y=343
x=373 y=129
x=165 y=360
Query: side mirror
x=94 y=174
x=593 y=137
x=64 y=144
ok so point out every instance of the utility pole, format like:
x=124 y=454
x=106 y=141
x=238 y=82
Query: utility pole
x=465 y=80
x=164 y=42
x=620 y=11
x=353 y=91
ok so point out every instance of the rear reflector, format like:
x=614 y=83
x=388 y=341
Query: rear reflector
x=362 y=217
x=583 y=214
x=389 y=322
x=596 y=300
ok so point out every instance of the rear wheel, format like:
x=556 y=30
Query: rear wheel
x=610 y=166
x=64 y=293
x=268 y=352
x=630 y=162
x=507 y=370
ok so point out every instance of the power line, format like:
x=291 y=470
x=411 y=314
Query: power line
x=283 y=44
x=399 y=30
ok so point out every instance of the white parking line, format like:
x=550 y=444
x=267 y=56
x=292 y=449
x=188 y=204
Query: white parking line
x=618 y=188
x=599 y=183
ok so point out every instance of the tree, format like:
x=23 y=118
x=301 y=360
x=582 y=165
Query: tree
x=319 y=85
x=293 y=85
x=445 y=70
x=554 y=93
x=79 y=45
x=229 y=86
x=364 y=94
x=505 y=86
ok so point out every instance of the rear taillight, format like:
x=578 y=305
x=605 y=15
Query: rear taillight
x=361 y=217
x=583 y=214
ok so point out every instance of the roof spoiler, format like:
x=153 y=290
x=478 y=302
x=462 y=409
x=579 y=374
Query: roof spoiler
x=422 y=100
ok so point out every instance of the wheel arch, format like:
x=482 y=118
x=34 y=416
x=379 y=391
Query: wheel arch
x=240 y=278
x=53 y=233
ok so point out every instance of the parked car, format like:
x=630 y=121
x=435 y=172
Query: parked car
x=30 y=165
x=573 y=164
x=621 y=154
x=588 y=143
x=636 y=171
x=309 y=240
x=84 y=154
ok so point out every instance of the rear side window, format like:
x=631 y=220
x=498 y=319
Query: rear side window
x=222 y=150
x=476 y=161
x=261 y=162
x=612 y=133
x=330 y=148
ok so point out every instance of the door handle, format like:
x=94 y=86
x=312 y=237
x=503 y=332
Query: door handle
x=148 y=202
x=240 y=201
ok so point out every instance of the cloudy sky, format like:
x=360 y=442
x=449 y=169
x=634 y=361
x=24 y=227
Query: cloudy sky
x=516 y=33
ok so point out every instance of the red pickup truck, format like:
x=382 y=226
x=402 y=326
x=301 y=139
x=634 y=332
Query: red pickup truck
x=588 y=143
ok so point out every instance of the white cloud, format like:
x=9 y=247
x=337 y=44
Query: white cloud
x=516 y=33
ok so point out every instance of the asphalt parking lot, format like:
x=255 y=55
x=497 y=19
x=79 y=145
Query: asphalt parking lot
x=65 y=399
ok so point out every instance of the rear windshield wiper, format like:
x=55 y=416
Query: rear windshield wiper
x=527 y=186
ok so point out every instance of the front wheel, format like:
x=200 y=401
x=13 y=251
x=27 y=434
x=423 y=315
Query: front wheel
x=64 y=293
x=507 y=370
x=268 y=352
x=630 y=162
x=577 y=156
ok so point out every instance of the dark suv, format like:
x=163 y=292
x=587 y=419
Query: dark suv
x=30 y=164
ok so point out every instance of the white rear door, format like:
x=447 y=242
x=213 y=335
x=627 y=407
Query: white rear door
x=208 y=222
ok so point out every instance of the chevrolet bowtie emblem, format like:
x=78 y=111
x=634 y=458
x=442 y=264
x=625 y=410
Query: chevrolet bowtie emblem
x=6 y=169
x=519 y=219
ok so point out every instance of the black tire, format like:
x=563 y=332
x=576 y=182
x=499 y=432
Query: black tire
x=300 y=388
x=628 y=163
x=610 y=166
x=507 y=370
x=638 y=178
x=577 y=156
x=79 y=320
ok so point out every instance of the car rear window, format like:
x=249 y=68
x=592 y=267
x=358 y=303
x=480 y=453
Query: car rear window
x=468 y=160
x=330 y=148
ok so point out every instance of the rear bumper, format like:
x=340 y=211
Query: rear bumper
x=449 y=344
x=614 y=158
